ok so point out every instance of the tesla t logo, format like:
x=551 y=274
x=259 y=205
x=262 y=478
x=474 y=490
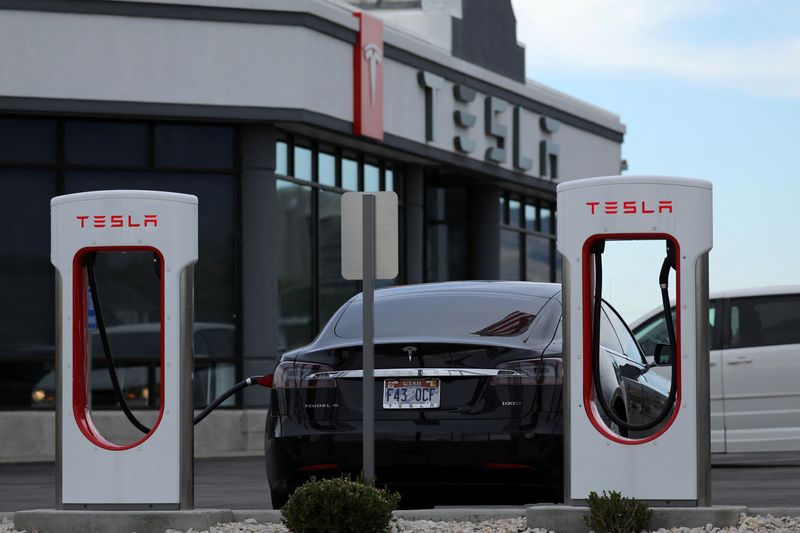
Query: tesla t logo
x=368 y=77
x=630 y=207
x=410 y=351
x=117 y=221
x=373 y=55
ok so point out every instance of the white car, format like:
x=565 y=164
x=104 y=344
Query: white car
x=754 y=338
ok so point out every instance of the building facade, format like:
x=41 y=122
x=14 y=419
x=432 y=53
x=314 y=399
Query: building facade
x=267 y=111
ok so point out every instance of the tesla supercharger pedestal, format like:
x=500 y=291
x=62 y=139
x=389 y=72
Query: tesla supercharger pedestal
x=670 y=466
x=155 y=472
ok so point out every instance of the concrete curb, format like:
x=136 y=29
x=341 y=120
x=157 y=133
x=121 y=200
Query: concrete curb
x=563 y=518
x=262 y=516
x=56 y=521
x=559 y=518
x=461 y=514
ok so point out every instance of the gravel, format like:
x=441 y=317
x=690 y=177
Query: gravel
x=747 y=524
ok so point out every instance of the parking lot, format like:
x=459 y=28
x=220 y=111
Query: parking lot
x=240 y=482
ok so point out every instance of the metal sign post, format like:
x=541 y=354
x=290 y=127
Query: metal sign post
x=368 y=351
x=369 y=252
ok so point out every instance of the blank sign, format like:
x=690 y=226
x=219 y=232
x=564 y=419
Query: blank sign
x=386 y=240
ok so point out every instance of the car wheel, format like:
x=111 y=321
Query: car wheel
x=279 y=499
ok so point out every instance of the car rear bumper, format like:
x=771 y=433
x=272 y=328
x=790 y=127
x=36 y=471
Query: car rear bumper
x=454 y=456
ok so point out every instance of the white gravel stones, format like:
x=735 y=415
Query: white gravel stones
x=747 y=524
x=6 y=526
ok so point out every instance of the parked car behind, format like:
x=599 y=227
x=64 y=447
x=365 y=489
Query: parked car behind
x=468 y=394
x=754 y=338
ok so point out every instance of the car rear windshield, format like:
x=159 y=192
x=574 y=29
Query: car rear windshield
x=445 y=315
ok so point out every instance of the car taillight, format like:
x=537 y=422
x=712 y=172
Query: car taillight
x=297 y=375
x=539 y=371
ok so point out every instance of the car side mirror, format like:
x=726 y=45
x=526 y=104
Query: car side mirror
x=663 y=355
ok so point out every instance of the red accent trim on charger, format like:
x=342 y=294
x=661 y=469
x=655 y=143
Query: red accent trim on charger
x=80 y=404
x=587 y=297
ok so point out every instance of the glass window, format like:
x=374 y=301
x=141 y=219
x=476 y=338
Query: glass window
x=27 y=321
x=327 y=168
x=105 y=143
x=302 y=163
x=514 y=212
x=295 y=267
x=349 y=174
x=629 y=346
x=653 y=333
x=458 y=315
x=537 y=263
x=608 y=339
x=27 y=140
x=446 y=252
x=372 y=178
x=510 y=255
x=546 y=218
x=194 y=146
x=389 y=177
x=559 y=270
x=530 y=217
x=334 y=290
x=448 y=204
x=281 y=159
x=765 y=321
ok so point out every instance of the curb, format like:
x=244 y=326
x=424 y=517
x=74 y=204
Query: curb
x=57 y=521
x=559 y=518
x=461 y=514
x=568 y=519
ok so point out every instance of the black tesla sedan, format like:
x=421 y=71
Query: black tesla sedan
x=468 y=395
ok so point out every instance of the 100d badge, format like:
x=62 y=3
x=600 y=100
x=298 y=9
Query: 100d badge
x=411 y=393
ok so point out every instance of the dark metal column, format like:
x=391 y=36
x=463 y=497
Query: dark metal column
x=484 y=234
x=259 y=266
x=413 y=200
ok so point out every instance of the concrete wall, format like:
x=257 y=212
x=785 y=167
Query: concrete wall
x=223 y=432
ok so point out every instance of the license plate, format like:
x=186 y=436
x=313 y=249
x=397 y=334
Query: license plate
x=411 y=394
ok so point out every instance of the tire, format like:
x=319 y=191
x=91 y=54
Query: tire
x=279 y=499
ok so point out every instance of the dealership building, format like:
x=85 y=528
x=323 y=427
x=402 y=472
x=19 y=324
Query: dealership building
x=267 y=111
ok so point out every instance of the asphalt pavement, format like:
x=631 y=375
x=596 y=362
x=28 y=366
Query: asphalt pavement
x=754 y=480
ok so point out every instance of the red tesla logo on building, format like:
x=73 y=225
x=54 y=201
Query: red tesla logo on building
x=117 y=221
x=368 y=78
x=630 y=207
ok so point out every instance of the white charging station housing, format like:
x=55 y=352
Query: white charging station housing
x=156 y=471
x=671 y=466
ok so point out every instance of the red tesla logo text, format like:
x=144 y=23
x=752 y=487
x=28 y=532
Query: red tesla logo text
x=631 y=207
x=117 y=221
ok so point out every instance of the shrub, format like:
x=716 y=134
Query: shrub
x=339 y=505
x=614 y=514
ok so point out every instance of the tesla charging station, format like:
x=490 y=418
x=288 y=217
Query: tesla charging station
x=154 y=472
x=669 y=465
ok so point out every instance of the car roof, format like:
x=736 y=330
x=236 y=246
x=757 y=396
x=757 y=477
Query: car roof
x=769 y=290
x=516 y=288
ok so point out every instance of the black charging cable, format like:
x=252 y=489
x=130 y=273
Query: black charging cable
x=89 y=262
x=663 y=279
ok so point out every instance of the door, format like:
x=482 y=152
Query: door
x=761 y=373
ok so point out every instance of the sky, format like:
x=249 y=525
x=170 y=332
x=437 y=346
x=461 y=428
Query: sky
x=708 y=89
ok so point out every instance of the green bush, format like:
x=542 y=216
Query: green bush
x=339 y=506
x=614 y=514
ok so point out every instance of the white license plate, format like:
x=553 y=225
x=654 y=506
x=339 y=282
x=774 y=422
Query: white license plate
x=411 y=393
